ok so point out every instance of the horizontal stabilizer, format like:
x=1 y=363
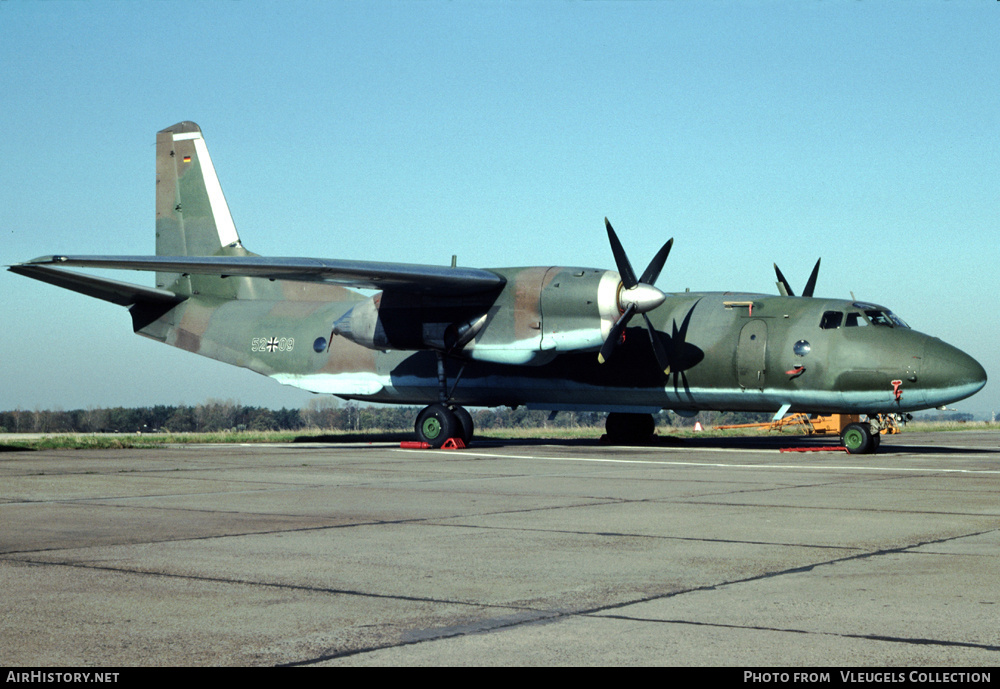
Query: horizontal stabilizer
x=422 y=279
x=115 y=291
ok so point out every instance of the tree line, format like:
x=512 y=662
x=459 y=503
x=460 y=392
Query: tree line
x=320 y=414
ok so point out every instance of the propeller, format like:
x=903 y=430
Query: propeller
x=636 y=295
x=786 y=289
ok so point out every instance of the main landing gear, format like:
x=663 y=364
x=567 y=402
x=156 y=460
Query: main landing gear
x=443 y=420
x=629 y=429
x=438 y=422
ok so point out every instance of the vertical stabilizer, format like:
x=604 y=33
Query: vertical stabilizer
x=192 y=216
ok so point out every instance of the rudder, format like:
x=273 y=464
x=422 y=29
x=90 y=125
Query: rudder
x=192 y=216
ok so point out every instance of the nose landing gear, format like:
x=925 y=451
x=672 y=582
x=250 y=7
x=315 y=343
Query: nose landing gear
x=865 y=437
x=859 y=439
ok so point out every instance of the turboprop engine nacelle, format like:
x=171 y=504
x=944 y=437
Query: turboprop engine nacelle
x=407 y=326
x=362 y=325
x=542 y=311
x=580 y=307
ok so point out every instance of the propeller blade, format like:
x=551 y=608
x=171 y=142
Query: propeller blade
x=638 y=296
x=783 y=286
x=811 y=285
x=616 y=333
x=621 y=260
x=786 y=290
x=658 y=349
x=656 y=265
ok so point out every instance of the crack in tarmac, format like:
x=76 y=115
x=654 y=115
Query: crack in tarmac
x=485 y=627
x=528 y=615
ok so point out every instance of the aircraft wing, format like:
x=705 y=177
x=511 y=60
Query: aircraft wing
x=423 y=279
x=114 y=291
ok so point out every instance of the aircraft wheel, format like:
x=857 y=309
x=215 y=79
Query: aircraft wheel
x=629 y=428
x=465 y=425
x=857 y=438
x=435 y=424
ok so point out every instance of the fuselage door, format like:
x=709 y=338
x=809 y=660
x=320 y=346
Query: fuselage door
x=751 y=355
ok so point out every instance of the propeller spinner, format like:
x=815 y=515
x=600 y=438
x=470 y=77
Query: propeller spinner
x=636 y=296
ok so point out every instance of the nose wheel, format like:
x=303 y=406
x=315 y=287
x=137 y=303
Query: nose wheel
x=859 y=439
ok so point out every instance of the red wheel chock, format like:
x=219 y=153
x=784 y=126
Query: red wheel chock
x=449 y=444
x=825 y=448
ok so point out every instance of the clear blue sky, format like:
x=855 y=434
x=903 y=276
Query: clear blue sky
x=863 y=132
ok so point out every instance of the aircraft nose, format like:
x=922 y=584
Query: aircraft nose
x=948 y=374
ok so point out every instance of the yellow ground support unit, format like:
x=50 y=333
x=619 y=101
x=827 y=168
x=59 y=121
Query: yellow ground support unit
x=776 y=425
x=815 y=424
x=833 y=424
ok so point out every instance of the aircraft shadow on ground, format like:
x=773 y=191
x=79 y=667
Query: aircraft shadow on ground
x=665 y=442
x=668 y=442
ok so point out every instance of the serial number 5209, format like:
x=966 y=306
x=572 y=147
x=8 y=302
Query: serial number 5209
x=272 y=344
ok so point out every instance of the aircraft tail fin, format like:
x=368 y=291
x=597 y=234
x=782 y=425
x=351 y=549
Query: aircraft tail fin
x=192 y=216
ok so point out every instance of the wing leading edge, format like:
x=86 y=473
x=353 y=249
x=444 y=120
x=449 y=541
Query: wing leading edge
x=422 y=279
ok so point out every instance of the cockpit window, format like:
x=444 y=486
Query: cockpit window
x=880 y=316
x=868 y=314
x=896 y=320
x=831 y=320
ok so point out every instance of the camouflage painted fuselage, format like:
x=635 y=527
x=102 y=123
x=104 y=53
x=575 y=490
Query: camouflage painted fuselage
x=539 y=342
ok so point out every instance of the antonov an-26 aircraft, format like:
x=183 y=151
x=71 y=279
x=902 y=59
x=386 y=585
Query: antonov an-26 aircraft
x=556 y=338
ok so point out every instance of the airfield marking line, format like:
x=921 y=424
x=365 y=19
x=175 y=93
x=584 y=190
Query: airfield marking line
x=714 y=464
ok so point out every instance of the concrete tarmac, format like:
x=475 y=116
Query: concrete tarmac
x=698 y=553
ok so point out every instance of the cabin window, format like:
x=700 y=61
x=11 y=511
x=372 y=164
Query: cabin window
x=831 y=320
x=855 y=319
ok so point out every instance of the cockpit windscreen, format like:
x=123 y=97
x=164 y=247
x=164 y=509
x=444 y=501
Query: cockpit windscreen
x=860 y=315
